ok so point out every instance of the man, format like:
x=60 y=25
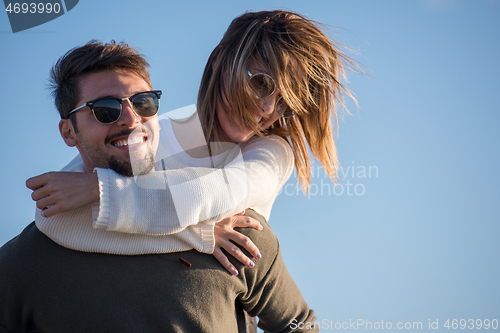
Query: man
x=45 y=287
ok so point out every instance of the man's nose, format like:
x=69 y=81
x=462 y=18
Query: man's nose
x=128 y=117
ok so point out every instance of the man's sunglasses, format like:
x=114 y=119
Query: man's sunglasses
x=263 y=86
x=107 y=110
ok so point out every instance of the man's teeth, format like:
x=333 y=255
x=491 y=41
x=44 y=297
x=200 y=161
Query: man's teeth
x=129 y=142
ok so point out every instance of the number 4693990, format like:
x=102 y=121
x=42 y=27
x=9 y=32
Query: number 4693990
x=471 y=324
x=32 y=8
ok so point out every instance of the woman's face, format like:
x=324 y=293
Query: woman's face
x=232 y=132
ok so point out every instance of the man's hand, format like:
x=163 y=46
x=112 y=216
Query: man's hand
x=224 y=233
x=58 y=192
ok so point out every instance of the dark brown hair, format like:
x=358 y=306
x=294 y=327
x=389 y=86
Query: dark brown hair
x=91 y=58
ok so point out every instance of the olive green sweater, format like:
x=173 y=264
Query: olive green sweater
x=45 y=287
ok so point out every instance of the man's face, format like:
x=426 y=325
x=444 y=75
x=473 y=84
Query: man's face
x=114 y=145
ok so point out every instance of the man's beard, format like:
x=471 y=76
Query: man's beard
x=140 y=167
x=139 y=162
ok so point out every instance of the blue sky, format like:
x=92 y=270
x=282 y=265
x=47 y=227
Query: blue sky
x=415 y=240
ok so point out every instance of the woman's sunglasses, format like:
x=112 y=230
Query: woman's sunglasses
x=263 y=86
x=107 y=110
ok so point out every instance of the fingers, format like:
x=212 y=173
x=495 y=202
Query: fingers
x=31 y=183
x=221 y=257
x=234 y=250
x=227 y=238
x=247 y=244
x=50 y=211
x=225 y=235
x=57 y=192
x=54 y=209
x=36 y=182
x=45 y=196
x=45 y=202
x=246 y=222
x=41 y=192
x=50 y=206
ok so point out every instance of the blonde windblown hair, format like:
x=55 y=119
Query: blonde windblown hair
x=307 y=67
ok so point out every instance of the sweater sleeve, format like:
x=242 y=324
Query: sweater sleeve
x=166 y=202
x=270 y=292
x=278 y=303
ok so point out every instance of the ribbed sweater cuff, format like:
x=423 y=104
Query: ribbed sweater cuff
x=101 y=219
x=206 y=231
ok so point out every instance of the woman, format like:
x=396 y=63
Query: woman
x=269 y=91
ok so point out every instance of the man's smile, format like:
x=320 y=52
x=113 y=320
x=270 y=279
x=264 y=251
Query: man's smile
x=130 y=141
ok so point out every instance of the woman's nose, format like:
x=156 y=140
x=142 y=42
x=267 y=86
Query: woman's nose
x=268 y=104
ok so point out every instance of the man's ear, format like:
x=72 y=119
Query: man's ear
x=68 y=132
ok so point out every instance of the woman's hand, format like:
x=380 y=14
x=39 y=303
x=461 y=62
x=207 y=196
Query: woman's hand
x=224 y=233
x=58 y=192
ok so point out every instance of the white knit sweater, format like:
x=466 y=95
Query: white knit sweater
x=174 y=208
